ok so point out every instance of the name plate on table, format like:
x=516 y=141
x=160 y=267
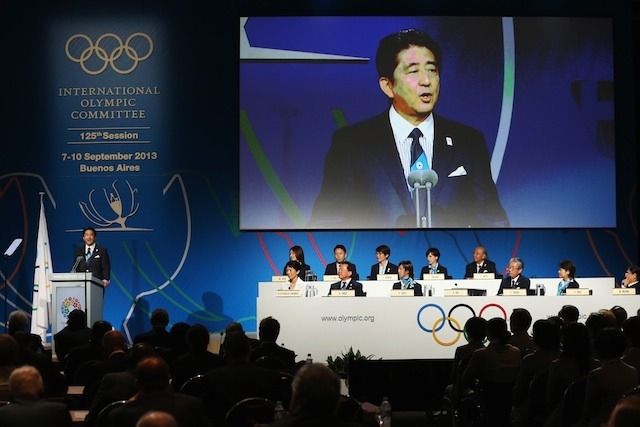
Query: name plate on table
x=279 y=278
x=387 y=277
x=456 y=292
x=623 y=291
x=484 y=276
x=514 y=292
x=401 y=292
x=330 y=278
x=579 y=291
x=288 y=293
x=345 y=293
x=428 y=276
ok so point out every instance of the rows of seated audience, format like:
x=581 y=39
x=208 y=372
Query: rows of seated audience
x=167 y=377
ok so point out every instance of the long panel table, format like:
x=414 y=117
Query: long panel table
x=407 y=327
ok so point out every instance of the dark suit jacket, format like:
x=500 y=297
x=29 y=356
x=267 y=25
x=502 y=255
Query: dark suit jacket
x=391 y=269
x=30 y=412
x=417 y=289
x=353 y=285
x=68 y=338
x=265 y=348
x=187 y=410
x=440 y=270
x=113 y=386
x=364 y=183
x=99 y=264
x=487 y=267
x=191 y=364
x=332 y=270
x=523 y=283
x=156 y=337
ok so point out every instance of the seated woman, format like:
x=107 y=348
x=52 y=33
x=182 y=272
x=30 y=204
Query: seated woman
x=405 y=273
x=295 y=283
x=434 y=266
x=296 y=253
x=567 y=272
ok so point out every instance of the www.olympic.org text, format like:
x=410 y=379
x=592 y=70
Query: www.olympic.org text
x=345 y=319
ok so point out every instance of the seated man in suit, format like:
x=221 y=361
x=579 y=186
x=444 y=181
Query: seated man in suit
x=434 y=266
x=480 y=263
x=19 y=321
x=197 y=361
x=340 y=254
x=28 y=408
x=74 y=334
x=515 y=279
x=345 y=273
x=268 y=332
x=383 y=266
x=157 y=336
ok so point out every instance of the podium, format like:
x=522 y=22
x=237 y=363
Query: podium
x=72 y=291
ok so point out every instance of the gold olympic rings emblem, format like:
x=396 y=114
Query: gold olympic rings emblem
x=453 y=323
x=87 y=48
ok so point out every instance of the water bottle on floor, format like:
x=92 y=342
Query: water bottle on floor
x=384 y=413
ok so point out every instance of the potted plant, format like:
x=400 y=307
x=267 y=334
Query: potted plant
x=340 y=364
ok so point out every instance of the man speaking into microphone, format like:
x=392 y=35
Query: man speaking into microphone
x=93 y=257
x=366 y=170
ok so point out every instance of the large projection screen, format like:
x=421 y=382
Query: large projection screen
x=539 y=90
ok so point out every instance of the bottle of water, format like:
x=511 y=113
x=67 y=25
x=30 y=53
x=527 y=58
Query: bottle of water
x=309 y=359
x=384 y=413
x=278 y=412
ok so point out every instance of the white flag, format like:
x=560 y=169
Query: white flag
x=41 y=284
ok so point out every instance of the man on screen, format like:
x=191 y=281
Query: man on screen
x=93 y=257
x=366 y=169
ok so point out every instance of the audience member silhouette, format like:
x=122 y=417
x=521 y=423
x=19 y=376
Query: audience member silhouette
x=74 y=334
x=476 y=332
x=177 y=342
x=53 y=380
x=315 y=398
x=157 y=336
x=197 y=360
x=155 y=393
x=268 y=332
x=626 y=413
x=118 y=385
x=8 y=362
x=607 y=384
x=631 y=330
x=157 y=419
x=569 y=313
x=19 y=321
x=519 y=323
x=596 y=322
x=82 y=353
x=239 y=379
x=27 y=408
x=620 y=313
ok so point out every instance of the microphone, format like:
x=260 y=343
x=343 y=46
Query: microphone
x=75 y=266
x=422 y=179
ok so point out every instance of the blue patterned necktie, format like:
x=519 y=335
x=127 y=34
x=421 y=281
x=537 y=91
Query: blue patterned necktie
x=88 y=254
x=416 y=149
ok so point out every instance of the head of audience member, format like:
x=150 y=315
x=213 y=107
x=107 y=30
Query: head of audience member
x=8 y=350
x=296 y=253
x=520 y=320
x=567 y=270
x=98 y=330
x=25 y=343
x=497 y=331
x=476 y=329
x=340 y=253
x=269 y=329
x=382 y=253
x=610 y=343
x=620 y=313
x=159 y=318
x=557 y=321
x=157 y=419
x=626 y=413
x=346 y=270
x=631 y=329
x=234 y=327
x=546 y=335
x=576 y=341
x=599 y=320
x=138 y=352
x=178 y=336
x=516 y=265
x=198 y=338
x=18 y=321
x=26 y=381
x=433 y=256
x=569 y=313
x=315 y=390
x=77 y=320
x=292 y=270
x=479 y=254
x=407 y=269
x=152 y=374
x=237 y=347
x=112 y=342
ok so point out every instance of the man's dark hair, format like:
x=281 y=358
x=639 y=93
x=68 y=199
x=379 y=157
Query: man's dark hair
x=476 y=328
x=8 y=350
x=520 y=319
x=631 y=329
x=497 y=329
x=95 y=233
x=569 y=313
x=159 y=318
x=384 y=249
x=610 y=343
x=269 y=329
x=237 y=346
x=77 y=319
x=391 y=45
x=434 y=251
x=198 y=338
x=340 y=246
x=350 y=266
x=546 y=335
x=138 y=352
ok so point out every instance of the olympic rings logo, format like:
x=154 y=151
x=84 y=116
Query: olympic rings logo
x=452 y=321
x=87 y=49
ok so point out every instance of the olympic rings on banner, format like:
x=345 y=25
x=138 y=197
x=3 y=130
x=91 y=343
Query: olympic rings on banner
x=473 y=314
x=108 y=59
x=420 y=312
x=452 y=342
x=504 y=313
